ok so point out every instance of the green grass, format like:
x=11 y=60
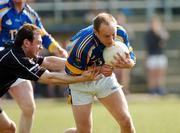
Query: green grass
x=150 y=115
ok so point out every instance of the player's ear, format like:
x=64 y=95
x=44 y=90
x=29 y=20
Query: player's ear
x=95 y=32
x=26 y=42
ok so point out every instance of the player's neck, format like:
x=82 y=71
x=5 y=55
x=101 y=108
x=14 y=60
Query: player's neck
x=19 y=6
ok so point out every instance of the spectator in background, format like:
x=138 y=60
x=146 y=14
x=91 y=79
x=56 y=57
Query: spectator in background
x=123 y=75
x=13 y=14
x=156 y=61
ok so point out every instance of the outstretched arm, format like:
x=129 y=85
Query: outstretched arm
x=62 y=78
x=54 y=63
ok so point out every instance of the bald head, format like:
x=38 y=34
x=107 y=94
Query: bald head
x=103 y=18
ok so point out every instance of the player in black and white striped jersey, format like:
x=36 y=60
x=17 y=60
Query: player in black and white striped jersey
x=22 y=61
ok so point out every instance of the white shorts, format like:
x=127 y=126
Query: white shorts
x=83 y=93
x=18 y=81
x=157 y=62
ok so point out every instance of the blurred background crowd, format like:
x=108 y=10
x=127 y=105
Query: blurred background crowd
x=153 y=27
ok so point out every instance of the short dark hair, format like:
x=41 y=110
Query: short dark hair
x=25 y=32
x=104 y=18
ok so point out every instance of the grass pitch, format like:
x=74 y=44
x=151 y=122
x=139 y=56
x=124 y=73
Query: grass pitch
x=150 y=114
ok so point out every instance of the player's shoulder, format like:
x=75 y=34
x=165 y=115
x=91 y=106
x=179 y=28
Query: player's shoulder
x=83 y=41
x=84 y=34
x=120 y=28
x=121 y=31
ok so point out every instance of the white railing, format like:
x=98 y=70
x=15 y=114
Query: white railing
x=88 y=5
x=148 y=5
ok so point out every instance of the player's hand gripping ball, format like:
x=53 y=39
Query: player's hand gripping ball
x=110 y=52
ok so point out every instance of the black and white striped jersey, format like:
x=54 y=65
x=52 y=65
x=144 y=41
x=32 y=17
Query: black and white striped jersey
x=14 y=64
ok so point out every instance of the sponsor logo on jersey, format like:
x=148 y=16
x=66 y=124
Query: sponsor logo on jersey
x=9 y=22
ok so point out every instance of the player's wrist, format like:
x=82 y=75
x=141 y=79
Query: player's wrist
x=63 y=52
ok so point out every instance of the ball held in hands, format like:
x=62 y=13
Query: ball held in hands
x=110 y=52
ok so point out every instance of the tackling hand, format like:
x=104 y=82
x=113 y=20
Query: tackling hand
x=92 y=74
x=106 y=70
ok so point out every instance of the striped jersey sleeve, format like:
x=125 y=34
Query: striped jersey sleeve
x=79 y=54
x=123 y=37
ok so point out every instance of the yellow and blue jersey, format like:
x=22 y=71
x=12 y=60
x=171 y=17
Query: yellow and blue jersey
x=87 y=50
x=11 y=21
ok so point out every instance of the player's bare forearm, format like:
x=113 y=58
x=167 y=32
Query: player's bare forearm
x=63 y=78
x=54 y=63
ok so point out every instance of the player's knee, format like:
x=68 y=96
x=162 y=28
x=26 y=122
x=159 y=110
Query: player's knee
x=126 y=123
x=29 y=109
x=85 y=128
